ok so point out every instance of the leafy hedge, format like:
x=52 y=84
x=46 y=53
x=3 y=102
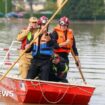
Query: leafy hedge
x=3 y=6
x=85 y=9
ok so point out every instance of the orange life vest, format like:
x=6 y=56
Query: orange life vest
x=42 y=40
x=62 y=38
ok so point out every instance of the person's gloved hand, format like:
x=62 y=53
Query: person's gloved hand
x=78 y=64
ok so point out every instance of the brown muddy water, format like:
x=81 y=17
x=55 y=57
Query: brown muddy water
x=90 y=39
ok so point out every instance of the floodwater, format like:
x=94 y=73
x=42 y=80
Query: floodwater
x=90 y=39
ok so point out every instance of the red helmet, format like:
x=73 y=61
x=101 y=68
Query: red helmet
x=42 y=20
x=64 y=21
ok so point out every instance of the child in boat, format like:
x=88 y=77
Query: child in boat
x=25 y=36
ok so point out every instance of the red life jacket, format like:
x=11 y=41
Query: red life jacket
x=24 y=42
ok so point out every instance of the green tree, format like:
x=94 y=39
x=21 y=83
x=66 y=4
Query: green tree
x=84 y=9
x=51 y=5
x=31 y=8
x=5 y=6
x=70 y=9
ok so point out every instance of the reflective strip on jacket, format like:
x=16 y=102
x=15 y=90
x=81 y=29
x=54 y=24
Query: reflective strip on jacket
x=62 y=38
x=40 y=46
x=26 y=40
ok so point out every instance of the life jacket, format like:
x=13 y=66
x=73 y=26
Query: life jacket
x=40 y=46
x=26 y=40
x=63 y=70
x=62 y=37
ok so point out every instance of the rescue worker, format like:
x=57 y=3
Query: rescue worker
x=65 y=40
x=25 y=36
x=59 y=69
x=42 y=50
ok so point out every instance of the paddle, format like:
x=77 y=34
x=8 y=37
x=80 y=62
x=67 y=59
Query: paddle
x=36 y=35
x=80 y=71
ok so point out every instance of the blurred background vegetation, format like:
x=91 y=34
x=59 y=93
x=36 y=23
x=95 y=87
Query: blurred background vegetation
x=74 y=9
x=85 y=9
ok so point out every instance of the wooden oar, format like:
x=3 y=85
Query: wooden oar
x=80 y=71
x=36 y=35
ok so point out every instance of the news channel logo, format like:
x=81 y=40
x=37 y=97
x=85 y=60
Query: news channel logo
x=6 y=93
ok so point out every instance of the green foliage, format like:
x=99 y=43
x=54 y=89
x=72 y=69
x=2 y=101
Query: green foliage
x=3 y=6
x=51 y=5
x=53 y=0
x=84 y=9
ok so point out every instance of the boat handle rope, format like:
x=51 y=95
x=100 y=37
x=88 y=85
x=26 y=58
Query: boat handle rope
x=55 y=102
x=51 y=102
x=63 y=86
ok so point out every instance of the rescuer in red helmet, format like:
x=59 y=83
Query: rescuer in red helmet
x=42 y=51
x=65 y=41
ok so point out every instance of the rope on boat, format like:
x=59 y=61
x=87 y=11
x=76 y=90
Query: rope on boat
x=78 y=83
x=52 y=102
x=85 y=91
x=58 y=95
x=55 y=102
